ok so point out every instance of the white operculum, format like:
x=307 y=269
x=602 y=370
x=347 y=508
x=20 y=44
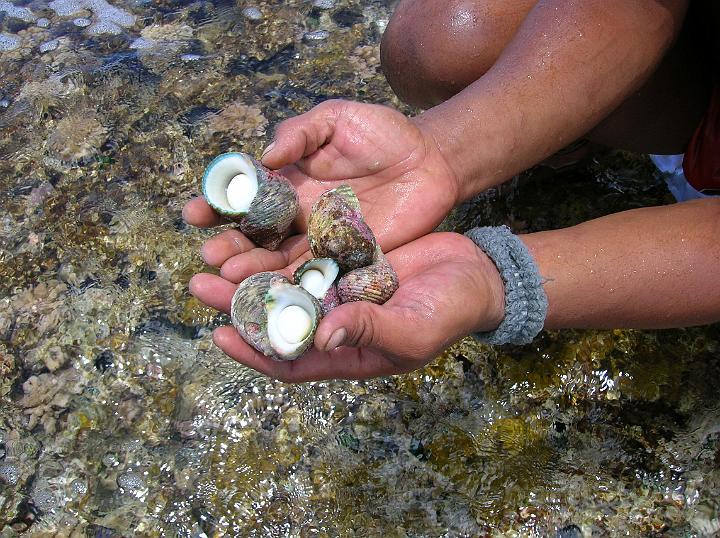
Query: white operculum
x=318 y=276
x=292 y=319
x=313 y=281
x=232 y=183
x=241 y=191
x=294 y=324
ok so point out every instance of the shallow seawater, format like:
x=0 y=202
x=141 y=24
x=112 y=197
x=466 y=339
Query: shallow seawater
x=118 y=417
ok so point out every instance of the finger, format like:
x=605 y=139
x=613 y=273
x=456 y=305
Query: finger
x=198 y=213
x=219 y=249
x=302 y=135
x=212 y=290
x=363 y=324
x=284 y=260
x=346 y=363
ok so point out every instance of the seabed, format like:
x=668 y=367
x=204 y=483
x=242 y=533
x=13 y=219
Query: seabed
x=118 y=417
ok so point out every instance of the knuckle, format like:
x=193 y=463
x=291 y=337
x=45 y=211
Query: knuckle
x=365 y=332
x=229 y=272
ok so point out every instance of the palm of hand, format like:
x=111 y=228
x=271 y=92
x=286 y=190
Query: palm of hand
x=405 y=188
x=428 y=312
x=394 y=169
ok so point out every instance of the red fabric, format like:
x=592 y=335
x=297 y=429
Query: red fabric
x=701 y=163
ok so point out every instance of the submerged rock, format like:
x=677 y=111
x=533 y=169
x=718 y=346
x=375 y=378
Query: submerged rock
x=252 y=13
x=316 y=36
x=9 y=472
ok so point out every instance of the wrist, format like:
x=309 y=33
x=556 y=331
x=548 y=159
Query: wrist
x=525 y=301
x=437 y=152
x=492 y=288
x=472 y=139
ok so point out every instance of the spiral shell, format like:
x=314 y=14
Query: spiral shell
x=318 y=277
x=262 y=201
x=336 y=230
x=375 y=283
x=261 y=313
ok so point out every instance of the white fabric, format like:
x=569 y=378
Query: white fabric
x=671 y=168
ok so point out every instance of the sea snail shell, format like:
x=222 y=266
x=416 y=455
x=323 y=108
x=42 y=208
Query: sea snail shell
x=274 y=316
x=336 y=230
x=318 y=276
x=262 y=201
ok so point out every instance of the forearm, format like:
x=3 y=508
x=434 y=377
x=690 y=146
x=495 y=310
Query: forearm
x=654 y=267
x=569 y=65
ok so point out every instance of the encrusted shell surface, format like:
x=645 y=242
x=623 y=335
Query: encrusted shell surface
x=375 y=283
x=330 y=300
x=336 y=230
x=253 y=303
x=271 y=212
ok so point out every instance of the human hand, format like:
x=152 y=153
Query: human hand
x=448 y=289
x=403 y=182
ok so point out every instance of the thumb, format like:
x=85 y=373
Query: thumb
x=359 y=324
x=302 y=135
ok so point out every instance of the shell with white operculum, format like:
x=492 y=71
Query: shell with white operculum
x=318 y=276
x=262 y=201
x=275 y=317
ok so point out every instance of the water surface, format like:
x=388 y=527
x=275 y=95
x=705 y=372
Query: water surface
x=119 y=417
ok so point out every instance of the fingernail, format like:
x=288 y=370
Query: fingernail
x=336 y=339
x=267 y=150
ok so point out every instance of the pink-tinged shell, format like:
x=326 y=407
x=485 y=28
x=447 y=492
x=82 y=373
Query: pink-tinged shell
x=330 y=300
x=336 y=230
x=330 y=270
x=375 y=283
x=272 y=211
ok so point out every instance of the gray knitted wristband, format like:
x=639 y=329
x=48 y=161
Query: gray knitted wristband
x=525 y=300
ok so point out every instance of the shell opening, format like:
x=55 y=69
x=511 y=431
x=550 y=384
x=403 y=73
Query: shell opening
x=292 y=318
x=230 y=183
x=317 y=276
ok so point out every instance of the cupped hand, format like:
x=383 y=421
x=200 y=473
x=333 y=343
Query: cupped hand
x=448 y=289
x=404 y=184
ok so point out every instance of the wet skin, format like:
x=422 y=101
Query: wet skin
x=433 y=50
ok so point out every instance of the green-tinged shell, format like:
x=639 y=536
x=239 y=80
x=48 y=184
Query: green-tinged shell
x=271 y=202
x=375 y=283
x=218 y=175
x=336 y=230
x=345 y=191
x=256 y=313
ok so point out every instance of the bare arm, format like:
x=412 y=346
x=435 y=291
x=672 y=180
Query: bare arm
x=569 y=65
x=653 y=267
